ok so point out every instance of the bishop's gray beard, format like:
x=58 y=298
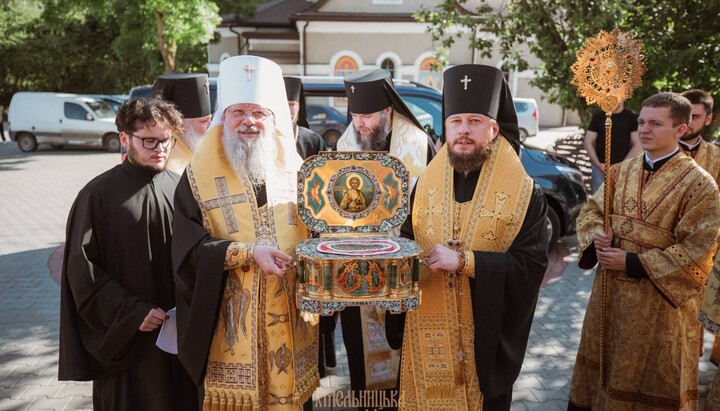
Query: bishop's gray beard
x=191 y=138
x=248 y=158
x=377 y=140
x=465 y=162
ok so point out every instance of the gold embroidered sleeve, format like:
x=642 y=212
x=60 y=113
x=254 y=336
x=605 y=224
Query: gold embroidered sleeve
x=680 y=271
x=469 y=268
x=238 y=254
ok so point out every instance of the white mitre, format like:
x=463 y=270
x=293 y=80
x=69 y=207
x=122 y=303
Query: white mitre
x=255 y=80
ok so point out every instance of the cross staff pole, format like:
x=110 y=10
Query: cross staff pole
x=607 y=70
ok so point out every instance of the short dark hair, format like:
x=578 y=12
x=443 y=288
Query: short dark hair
x=697 y=96
x=139 y=113
x=680 y=107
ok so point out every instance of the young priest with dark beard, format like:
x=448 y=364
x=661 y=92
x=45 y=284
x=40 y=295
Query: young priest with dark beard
x=480 y=220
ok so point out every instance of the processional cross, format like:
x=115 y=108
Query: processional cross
x=607 y=70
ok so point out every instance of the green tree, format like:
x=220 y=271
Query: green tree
x=241 y=8
x=680 y=38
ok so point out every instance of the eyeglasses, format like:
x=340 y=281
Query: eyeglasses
x=151 y=143
x=257 y=115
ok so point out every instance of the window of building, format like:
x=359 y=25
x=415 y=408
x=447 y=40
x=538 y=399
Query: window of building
x=388 y=65
x=428 y=75
x=344 y=66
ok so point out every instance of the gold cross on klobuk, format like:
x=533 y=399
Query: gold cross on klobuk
x=432 y=209
x=224 y=201
x=495 y=215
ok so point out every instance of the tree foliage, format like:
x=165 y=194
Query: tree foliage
x=100 y=46
x=681 y=39
x=240 y=8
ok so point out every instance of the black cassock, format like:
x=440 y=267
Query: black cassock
x=116 y=268
x=505 y=291
x=309 y=142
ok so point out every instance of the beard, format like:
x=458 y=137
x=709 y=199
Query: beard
x=691 y=136
x=191 y=138
x=249 y=157
x=149 y=169
x=377 y=139
x=465 y=162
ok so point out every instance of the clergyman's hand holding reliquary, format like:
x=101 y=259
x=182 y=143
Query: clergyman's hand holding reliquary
x=353 y=199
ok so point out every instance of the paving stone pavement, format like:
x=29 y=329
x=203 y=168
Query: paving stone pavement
x=36 y=192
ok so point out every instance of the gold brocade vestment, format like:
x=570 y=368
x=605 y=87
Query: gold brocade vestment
x=670 y=219
x=438 y=364
x=263 y=355
x=708 y=157
x=180 y=157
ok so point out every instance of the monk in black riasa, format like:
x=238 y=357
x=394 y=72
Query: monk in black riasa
x=117 y=277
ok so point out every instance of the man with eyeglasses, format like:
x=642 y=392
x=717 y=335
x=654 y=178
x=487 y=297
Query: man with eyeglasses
x=117 y=278
x=240 y=335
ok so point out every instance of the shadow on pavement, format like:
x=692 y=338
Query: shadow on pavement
x=29 y=326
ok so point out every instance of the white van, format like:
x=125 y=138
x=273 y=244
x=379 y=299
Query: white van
x=61 y=119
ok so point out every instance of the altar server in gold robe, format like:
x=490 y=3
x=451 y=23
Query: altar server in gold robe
x=664 y=225
x=240 y=335
x=191 y=95
x=480 y=220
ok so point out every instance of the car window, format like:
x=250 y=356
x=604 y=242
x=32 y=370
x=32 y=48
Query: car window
x=318 y=116
x=102 y=108
x=427 y=111
x=520 y=106
x=76 y=112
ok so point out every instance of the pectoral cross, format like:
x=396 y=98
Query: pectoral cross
x=428 y=212
x=495 y=215
x=250 y=69
x=455 y=242
x=224 y=201
x=465 y=81
x=352 y=88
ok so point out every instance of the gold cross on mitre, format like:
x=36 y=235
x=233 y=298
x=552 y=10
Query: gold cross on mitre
x=250 y=69
x=465 y=82
x=495 y=215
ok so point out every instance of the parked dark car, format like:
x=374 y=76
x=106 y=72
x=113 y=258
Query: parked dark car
x=561 y=182
x=327 y=122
